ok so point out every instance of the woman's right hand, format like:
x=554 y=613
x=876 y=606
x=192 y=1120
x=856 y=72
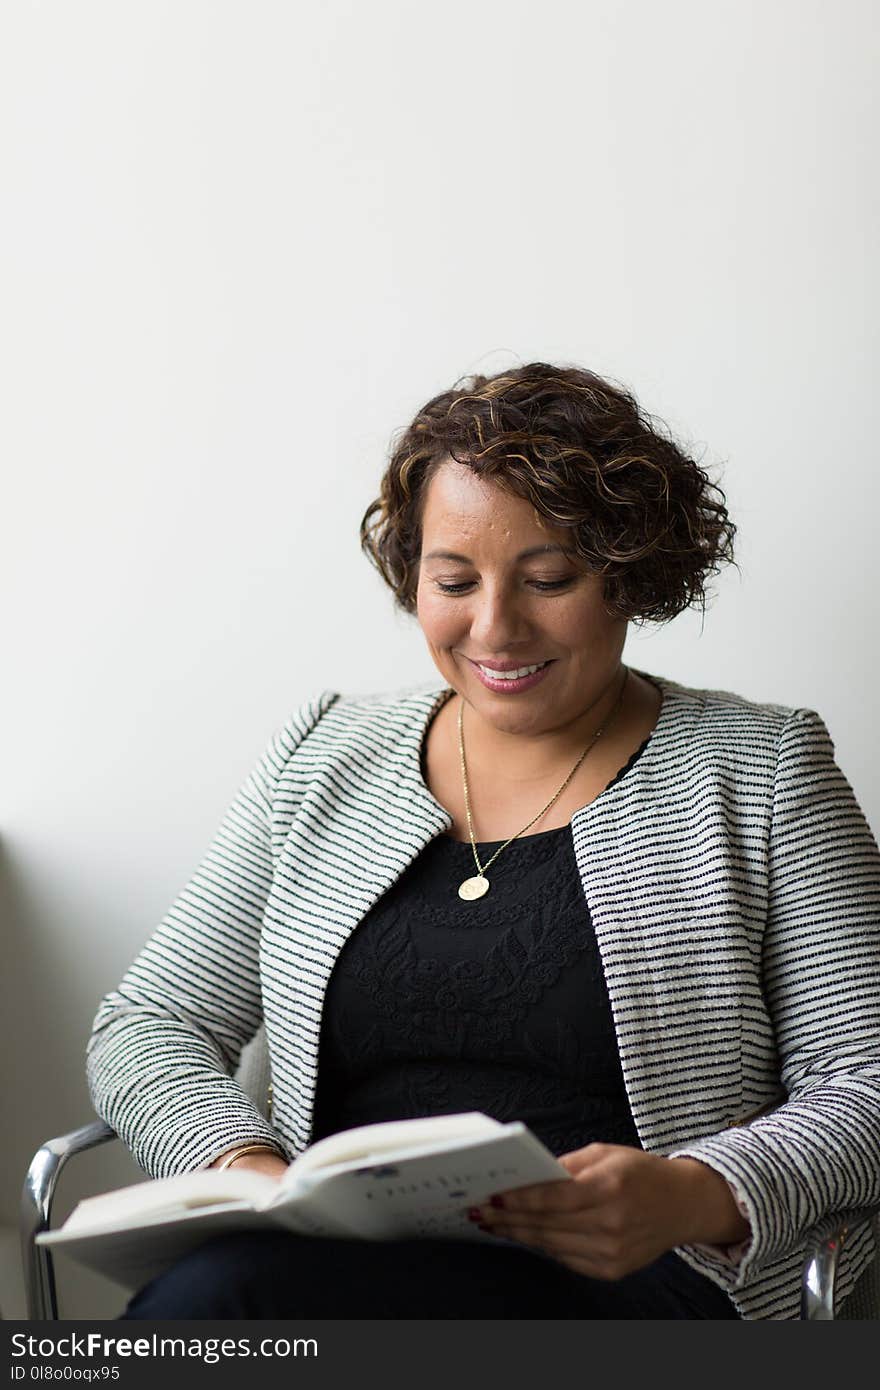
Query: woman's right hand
x=261 y=1161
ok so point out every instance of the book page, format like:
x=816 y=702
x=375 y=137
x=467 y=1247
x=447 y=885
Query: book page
x=186 y=1191
x=133 y=1256
x=424 y=1193
x=433 y=1134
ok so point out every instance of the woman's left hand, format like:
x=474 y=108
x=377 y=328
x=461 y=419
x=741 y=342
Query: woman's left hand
x=624 y=1209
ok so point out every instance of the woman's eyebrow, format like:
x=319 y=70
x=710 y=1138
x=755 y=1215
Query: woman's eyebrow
x=523 y=555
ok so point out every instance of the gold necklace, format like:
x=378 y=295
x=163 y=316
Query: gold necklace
x=478 y=886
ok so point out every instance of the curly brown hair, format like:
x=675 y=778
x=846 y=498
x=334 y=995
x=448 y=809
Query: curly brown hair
x=640 y=510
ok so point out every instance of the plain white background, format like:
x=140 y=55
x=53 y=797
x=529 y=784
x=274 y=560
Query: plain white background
x=242 y=243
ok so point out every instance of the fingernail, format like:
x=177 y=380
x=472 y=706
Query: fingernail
x=496 y=1201
x=474 y=1214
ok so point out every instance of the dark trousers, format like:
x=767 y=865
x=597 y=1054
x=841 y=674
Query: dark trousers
x=279 y=1275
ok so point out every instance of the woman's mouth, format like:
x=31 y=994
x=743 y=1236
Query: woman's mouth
x=511 y=682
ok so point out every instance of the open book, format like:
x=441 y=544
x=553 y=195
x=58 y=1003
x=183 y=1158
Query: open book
x=403 y=1178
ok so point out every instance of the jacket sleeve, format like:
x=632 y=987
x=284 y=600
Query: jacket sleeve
x=164 y=1044
x=819 y=1151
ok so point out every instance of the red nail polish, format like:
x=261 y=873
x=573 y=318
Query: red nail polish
x=496 y=1201
x=474 y=1214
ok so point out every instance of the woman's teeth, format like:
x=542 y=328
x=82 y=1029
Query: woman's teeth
x=511 y=675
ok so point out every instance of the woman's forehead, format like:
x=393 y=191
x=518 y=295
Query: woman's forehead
x=459 y=501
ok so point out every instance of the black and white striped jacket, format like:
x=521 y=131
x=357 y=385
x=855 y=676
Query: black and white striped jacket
x=734 y=886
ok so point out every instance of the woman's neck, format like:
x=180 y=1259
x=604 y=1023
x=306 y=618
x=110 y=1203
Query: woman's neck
x=521 y=759
x=511 y=778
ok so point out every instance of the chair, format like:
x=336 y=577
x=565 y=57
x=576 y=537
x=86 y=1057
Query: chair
x=821 y=1253
x=823 y=1249
x=41 y=1183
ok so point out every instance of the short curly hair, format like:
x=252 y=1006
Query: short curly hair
x=640 y=510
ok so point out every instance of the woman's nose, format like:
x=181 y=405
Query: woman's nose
x=496 y=622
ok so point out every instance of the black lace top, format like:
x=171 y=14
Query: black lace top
x=436 y=1005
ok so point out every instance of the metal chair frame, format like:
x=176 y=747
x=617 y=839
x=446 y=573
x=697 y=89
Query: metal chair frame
x=37 y=1199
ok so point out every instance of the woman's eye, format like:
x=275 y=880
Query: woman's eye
x=542 y=585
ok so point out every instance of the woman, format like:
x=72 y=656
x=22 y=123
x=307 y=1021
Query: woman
x=640 y=917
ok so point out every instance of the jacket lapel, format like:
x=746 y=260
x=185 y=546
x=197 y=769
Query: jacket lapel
x=674 y=948
x=362 y=815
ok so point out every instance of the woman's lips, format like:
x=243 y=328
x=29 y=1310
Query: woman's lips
x=511 y=687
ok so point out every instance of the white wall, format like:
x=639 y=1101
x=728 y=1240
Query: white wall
x=243 y=242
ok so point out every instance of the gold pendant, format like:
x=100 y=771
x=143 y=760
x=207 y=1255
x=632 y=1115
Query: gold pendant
x=473 y=888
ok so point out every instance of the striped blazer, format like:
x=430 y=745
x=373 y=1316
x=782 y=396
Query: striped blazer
x=734 y=888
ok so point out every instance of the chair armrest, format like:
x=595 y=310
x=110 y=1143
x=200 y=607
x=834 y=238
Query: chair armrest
x=824 y=1244
x=36 y=1212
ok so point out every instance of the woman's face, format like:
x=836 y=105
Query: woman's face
x=496 y=587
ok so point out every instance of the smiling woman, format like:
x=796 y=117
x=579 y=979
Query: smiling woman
x=641 y=918
x=527 y=642
x=527 y=519
x=509 y=605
